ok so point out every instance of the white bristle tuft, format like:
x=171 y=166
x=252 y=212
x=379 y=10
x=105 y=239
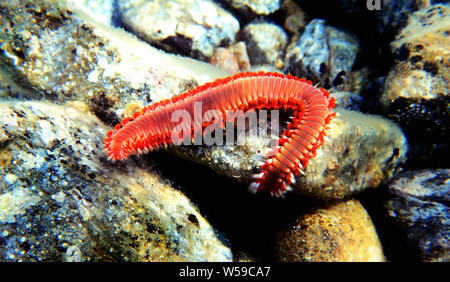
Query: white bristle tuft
x=258 y=176
x=253 y=188
x=292 y=178
x=319 y=153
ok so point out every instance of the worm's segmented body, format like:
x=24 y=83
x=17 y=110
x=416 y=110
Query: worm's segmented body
x=152 y=127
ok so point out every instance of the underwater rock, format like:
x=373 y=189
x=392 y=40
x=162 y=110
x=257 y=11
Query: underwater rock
x=102 y=10
x=225 y=59
x=341 y=231
x=416 y=89
x=362 y=152
x=265 y=43
x=322 y=54
x=62 y=200
x=232 y=59
x=295 y=17
x=419 y=213
x=193 y=28
x=347 y=100
x=64 y=56
x=252 y=8
x=240 y=51
x=396 y=12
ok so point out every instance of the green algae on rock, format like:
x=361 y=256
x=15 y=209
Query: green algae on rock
x=363 y=151
x=341 y=231
x=61 y=200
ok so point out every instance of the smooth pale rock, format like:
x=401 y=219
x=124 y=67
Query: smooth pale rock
x=416 y=89
x=419 y=214
x=65 y=55
x=193 y=27
x=103 y=11
x=362 y=152
x=232 y=59
x=341 y=231
x=62 y=200
x=225 y=59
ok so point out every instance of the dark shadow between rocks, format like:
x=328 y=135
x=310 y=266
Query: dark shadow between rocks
x=243 y=221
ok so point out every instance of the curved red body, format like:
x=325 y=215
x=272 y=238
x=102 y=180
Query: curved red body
x=151 y=127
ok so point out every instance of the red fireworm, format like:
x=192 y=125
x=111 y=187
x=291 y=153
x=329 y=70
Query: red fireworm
x=151 y=127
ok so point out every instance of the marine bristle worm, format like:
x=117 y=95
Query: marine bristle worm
x=152 y=127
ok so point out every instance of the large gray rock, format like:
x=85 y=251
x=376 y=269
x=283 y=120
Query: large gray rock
x=61 y=200
x=62 y=55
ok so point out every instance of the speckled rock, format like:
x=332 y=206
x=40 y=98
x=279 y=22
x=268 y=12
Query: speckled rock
x=322 y=54
x=341 y=231
x=62 y=55
x=194 y=28
x=395 y=13
x=416 y=89
x=420 y=214
x=251 y=8
x=265 y=43
x=362 y=152
x=62 y=200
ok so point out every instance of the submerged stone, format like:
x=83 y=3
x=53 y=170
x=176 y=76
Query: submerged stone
x=62 y=200
x=340 y=232
x=265 y=43
x=363 y=151
x=322 y=54
x=193 y=28
x=419 y=214
x=252 y=8
x=64 y=55
x=416 y=89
